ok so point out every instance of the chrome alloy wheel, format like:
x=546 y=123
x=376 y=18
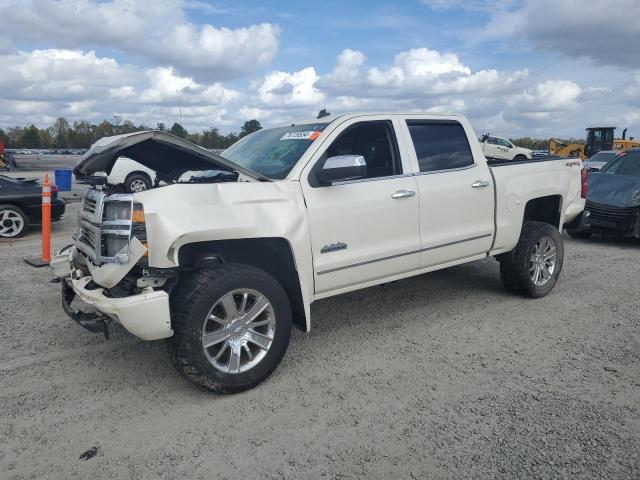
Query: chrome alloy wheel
x=543 y=261
x=238 y=331
x=137 y=186
x=11 y=223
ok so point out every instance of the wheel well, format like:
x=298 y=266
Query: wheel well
x=273 y=255
x=544 y=209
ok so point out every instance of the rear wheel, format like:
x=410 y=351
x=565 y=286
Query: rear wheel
x=13 y=222
x=535 y=264
x=231 y=325
x=137 y=182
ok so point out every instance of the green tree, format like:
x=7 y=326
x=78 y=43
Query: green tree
x=161 y=126
x=249 y=126
x=178 y=130
x=31 y=137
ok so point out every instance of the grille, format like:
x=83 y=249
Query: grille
x=610 y=217
x=89 y=205
x=91 y=236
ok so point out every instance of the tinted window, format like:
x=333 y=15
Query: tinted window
x=440 y=146
x=492 y=141
x=504 y=143
x=627 y=164
x=375 y=141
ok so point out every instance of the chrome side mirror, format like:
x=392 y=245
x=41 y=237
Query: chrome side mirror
x=341 y=168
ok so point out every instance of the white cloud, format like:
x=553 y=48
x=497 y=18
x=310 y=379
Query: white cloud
x=158 y=31
x=290 y=89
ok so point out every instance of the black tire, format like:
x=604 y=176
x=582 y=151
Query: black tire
x=134 y=181
x=6 y=230
x=520 y=158
x=190 y=304
x=514 y=268
x=584 y=235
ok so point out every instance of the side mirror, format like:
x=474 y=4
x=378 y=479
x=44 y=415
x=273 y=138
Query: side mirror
x=342 y=167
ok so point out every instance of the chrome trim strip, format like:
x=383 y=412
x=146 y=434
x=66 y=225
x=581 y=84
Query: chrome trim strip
x=459 y=169
x=362 y=180
x=359 y=264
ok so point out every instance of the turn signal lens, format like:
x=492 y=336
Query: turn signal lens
x=138 y=214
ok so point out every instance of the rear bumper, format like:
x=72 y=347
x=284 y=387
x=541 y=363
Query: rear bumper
x=145 y=315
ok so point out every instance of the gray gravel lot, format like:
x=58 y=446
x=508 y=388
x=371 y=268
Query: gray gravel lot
x=440 y=376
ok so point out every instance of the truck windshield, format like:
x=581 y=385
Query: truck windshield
x=627 y=164
x=273 y=152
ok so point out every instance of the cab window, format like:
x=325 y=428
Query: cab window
x=375 y=141
x=441 y=145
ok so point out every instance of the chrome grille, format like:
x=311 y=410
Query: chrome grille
x=93 y=229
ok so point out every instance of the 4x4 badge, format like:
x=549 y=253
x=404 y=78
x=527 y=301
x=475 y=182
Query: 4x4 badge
x=334 y=247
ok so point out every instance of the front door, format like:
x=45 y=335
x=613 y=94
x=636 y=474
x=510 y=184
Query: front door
x=365 y=229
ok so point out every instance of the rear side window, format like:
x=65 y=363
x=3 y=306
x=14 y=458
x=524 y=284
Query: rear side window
x=440 y=145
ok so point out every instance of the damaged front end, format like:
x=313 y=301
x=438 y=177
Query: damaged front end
x=107 y=268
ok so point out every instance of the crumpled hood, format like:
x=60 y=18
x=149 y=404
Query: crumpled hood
x=167 y=154
x=614 y=190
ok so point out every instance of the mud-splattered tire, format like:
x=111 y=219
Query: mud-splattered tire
x=201 y=297
x=518 y=270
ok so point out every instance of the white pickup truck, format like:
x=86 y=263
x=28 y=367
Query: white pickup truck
x=496 y=148
x=225 y=263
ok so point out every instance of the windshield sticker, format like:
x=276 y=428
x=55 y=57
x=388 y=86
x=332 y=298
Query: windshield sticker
x=304 y=135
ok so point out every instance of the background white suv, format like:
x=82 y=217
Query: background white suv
x=503 y=149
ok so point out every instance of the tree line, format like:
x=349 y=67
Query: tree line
x=82 y=134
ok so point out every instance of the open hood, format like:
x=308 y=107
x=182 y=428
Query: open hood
x=168 y=155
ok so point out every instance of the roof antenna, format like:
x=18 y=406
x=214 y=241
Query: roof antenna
x=323 y=113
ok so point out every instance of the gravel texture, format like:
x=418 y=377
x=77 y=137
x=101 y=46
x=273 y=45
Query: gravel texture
x=441 y=376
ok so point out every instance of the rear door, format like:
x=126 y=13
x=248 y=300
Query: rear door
x=367 y=229
x=456 y=193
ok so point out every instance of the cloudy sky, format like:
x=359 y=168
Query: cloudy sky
x=522 y=67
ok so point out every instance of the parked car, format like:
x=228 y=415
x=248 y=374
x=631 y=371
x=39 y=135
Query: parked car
x=503 y=149
x=613 y=201
x=127 y=173
x=597 y=161
x=21 y=205
x=299 y=213
x=133 y=176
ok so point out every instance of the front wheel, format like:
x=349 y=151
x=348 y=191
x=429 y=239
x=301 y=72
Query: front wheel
x=535 y=264
x=232 y=325
x=520 y=158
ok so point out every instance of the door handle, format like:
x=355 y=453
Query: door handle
x=480 y=184
x=403 y=194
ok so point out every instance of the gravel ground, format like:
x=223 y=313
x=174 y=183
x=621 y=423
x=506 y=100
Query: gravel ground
x=440 y=376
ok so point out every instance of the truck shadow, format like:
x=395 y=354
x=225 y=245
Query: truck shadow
x=436 y=291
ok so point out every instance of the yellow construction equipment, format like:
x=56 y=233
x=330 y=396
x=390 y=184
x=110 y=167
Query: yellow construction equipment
x=598 y=139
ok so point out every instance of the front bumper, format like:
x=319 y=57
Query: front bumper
x=145 y=315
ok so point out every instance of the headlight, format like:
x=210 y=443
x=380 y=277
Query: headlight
x=114 y=211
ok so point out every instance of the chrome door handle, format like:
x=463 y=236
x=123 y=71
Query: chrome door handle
x=480 y=184
x=403 y=194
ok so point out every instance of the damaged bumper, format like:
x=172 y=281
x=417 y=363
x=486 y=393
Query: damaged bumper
x=145 y=315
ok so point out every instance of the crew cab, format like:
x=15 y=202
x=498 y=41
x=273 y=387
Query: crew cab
x=502 y=149
x=225 y=261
